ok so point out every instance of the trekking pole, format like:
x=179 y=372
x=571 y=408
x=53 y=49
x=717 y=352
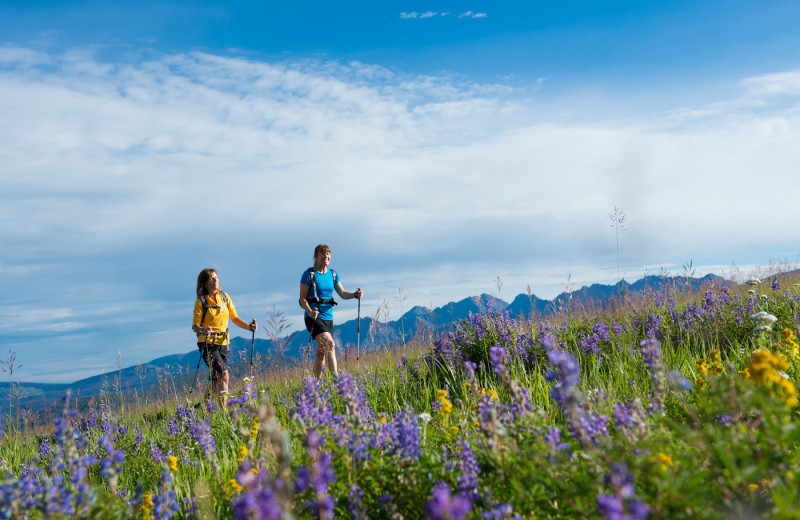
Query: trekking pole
x=358 y=330
x=202 y=355
x=252 y=346
x=195 y=373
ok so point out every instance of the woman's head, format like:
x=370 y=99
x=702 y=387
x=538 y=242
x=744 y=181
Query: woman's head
x=322 y=248
x=205 y=277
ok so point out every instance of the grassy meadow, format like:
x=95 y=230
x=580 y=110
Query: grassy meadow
x=673 y=404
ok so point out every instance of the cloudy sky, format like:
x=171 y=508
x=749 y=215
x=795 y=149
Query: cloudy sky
x=435 y=145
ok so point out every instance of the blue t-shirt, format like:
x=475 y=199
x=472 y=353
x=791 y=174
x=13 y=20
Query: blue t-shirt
x=324 y=284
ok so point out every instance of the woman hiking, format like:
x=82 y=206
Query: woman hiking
x=212 y=309
x=316 y=298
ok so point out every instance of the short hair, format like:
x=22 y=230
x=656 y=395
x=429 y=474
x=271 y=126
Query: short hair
x=202 y=281
x=322 y=248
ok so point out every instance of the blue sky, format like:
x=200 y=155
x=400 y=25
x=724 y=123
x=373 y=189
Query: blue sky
x=434 y=145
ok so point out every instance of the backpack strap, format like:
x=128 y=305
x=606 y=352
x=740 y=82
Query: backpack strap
x=316 y=299
x=206 y=306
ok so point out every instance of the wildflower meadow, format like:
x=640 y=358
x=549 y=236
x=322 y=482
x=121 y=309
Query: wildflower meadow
x=675 y=404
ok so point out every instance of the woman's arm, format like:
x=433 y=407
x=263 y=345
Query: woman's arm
x=304 y=302
x=348 y=295
x=244 y=325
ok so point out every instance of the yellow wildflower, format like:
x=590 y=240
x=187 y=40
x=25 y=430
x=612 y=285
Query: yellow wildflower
x=172 y=463
x=702 y=366
x=665 y=461
x=745 y=374
x=147 y=507
x=241 y=454
x=716 y=357
x=254 y=427
x=454 y=429
x=492 y=393
x=766 y=370
x=232 y=487
x=753 y=486
x=447 y=406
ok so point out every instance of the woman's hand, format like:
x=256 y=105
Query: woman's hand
x=253 y=325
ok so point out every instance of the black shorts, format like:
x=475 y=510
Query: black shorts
x=216 y=354
x=318 y=326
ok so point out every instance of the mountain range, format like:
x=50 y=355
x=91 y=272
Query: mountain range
x=168 y=373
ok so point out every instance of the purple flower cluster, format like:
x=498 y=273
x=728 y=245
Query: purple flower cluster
x=620 y=504
x=444 y=506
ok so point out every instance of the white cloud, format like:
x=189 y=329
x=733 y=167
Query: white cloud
x=428 y=14
x=121 y=180
x=470 y=14
x=783 y=83
x=412 y=14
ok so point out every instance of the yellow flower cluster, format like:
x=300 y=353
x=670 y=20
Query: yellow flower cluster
x=766 y=369
x=254 y=427
x=491 y=393
x=789 y=346
x=716 y=367
x=702 y=370
x=241 y=454
x=232 y=487
x=172 y=463
x=665 y=460
x=447 y=406
x=147 y=507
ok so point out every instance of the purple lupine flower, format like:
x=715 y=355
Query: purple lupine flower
x=202 y=434
x=679 y=380
x=259 y=502
x=653 y=325
x=776 y=284
x=652 y=357
x=155 y=452
x=468 y=469
x=566 y=374
x=589 y=343
x=618 y=329
x=443 y=506
x=488 y=419
x=317 y=476
x=620 y=480
x=613 y=507
x=499 y=511
x=601 y=330
x=499 y=359
x=313 y=406
x=354 y=499
x=553 y=436
x=358 y=406
x=588 y=427
x=405 y=435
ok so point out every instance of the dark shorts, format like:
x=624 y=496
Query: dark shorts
x=217 y=355
x=318 y=326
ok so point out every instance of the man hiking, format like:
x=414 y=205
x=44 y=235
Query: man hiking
x=212 y=309
x=316 y=298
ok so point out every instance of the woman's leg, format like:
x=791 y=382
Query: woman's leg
x=325 y=352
